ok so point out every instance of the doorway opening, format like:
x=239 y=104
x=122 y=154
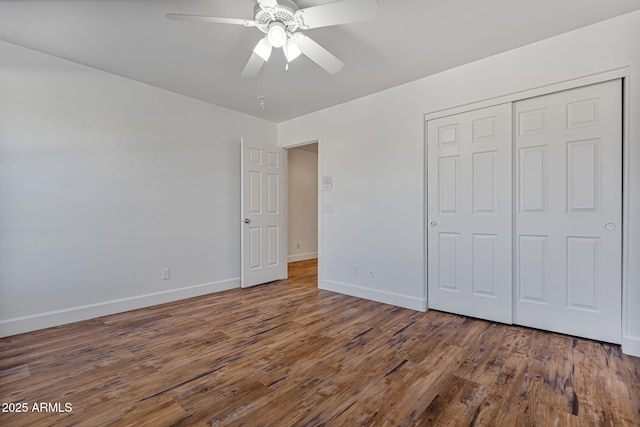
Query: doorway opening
x=302 y=203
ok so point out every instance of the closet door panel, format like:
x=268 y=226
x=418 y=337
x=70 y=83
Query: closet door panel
x=469 y=213
x=568 y=220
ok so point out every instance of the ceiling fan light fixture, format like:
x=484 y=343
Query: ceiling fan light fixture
x=263 y=49
x=291 y=50
x=277 y=34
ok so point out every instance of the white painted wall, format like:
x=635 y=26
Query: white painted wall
x=103 y=182
x=374 y=148
x=302 y=213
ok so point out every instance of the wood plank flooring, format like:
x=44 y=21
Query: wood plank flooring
x=287 y=353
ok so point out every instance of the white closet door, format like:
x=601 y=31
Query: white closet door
x=569 y=212
x=470 y=213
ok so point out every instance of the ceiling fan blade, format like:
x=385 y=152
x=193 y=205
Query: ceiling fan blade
x=258 y=57
x=317 y=53
x=253 y=67
x=214 y=19
x=268 y=3
x=339 y=12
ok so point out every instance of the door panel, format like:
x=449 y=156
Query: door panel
x=568 y=222
x=469 y=213
x=532 y=251
x=263 y=230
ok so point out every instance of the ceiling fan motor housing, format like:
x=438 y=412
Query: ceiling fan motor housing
x=284 y=12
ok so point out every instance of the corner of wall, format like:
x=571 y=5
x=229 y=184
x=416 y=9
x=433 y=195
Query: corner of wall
x=404 y=301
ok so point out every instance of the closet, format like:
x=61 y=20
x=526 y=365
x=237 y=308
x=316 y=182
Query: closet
x=524 y=212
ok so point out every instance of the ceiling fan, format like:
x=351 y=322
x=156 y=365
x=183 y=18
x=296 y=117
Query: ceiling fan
x=280 y=20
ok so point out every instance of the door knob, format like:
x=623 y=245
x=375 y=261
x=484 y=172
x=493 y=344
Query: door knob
x=610 y=226
x=247 y=221
x=433 y=223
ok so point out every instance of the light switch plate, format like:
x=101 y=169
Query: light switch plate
x=327 y=182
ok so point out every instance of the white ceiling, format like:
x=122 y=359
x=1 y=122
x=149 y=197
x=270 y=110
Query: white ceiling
x=408 y=40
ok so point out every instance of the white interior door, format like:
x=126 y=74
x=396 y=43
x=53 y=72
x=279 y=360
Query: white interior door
x=263 y=215
x=470 y=213
x=569 y=212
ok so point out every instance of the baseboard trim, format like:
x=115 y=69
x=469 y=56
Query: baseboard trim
x=302 y=257
x=631 y=345
x=413 y=303
x=19 y=325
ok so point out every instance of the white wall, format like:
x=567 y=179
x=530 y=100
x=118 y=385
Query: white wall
x=302 y=213
x=374 y=148
x=105 y=181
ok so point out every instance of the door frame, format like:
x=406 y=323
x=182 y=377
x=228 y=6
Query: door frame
x=629 y=343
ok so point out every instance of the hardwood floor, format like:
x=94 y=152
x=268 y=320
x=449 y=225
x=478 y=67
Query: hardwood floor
x=287 y=353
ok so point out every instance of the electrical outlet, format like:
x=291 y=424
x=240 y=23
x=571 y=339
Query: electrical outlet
x=298 y=245
x=166 y=273
x=371 y=273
